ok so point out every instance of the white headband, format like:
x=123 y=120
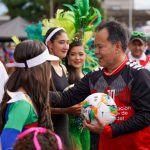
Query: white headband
x=52 y=34
x=45 y=56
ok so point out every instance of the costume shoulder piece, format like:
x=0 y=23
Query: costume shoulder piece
x=19 y=96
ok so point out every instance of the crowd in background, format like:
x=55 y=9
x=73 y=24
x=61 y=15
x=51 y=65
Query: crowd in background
x=7 y=52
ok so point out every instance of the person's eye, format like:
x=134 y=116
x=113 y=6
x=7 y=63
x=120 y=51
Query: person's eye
x=61 y=42
x=98 y=46
x=81 y=54
x=72 y=54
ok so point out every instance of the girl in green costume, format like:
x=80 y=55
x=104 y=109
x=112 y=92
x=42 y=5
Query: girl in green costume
x=79 y=136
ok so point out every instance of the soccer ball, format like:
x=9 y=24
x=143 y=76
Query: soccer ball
x=101 y=105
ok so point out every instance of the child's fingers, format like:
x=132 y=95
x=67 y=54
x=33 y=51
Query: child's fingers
x=88 y=125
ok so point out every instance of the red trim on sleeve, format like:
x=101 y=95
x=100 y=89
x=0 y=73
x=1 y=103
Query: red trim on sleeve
x=107 y=131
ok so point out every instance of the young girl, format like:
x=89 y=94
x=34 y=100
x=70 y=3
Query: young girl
x=80 y=136
x=57 y=41
x=38 y=138
x=25 y=102
x=74 y=61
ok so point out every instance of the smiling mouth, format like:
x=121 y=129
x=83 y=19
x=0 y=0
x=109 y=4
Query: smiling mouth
x=64 y=51
x=77 y=62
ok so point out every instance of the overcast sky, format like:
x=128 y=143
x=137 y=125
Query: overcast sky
x=3 y=8
x=138 y=4
x=142 y=4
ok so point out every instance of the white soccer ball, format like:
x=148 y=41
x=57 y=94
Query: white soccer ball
x=101 y=105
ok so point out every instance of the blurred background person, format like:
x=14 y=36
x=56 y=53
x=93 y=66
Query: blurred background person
x=10 y=52
x=2 y=53
x=137 y=46
x=147 y=52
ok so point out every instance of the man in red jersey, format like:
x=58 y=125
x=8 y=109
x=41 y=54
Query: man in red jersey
x=127 y=81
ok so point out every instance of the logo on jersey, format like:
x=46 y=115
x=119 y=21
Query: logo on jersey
x=111 y=93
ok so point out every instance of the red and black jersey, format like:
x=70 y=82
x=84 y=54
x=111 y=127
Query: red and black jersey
x=129 y=85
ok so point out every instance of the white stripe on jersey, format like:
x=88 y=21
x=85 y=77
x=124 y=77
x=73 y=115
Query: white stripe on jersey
x=134 y=65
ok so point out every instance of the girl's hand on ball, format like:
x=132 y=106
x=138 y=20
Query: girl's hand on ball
x=95 y=128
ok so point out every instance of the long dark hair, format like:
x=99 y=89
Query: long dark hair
x=73 y=76
x=35 y=82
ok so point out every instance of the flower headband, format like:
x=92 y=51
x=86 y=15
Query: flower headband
x=37 y=130
x=52 y=34
x=44 y=56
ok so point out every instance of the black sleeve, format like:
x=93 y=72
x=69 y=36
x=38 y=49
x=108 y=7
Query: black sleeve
x=73 y=96
x=140 y=100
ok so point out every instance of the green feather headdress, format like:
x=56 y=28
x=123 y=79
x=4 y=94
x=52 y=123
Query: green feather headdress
x=61 y=20
x=80 y=17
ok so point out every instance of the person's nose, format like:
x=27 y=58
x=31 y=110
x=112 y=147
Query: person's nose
x=66 y=46
x=77 y=57
x=96 y=51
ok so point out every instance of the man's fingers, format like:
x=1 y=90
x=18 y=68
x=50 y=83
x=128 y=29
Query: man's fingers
x=91 y=127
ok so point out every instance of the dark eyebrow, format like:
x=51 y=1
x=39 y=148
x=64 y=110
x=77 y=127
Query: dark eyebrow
x=97 y=44
x=63 y=40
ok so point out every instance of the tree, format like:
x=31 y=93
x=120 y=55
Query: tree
x=35 y=10
x=32 y=10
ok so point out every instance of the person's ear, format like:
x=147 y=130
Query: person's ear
x=118 y=47
x=145 y=44
x=49 y=44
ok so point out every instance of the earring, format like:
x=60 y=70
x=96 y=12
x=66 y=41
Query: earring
x=50 y=51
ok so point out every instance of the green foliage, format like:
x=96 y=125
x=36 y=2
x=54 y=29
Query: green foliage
x=31 y=10
x=35 y=10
